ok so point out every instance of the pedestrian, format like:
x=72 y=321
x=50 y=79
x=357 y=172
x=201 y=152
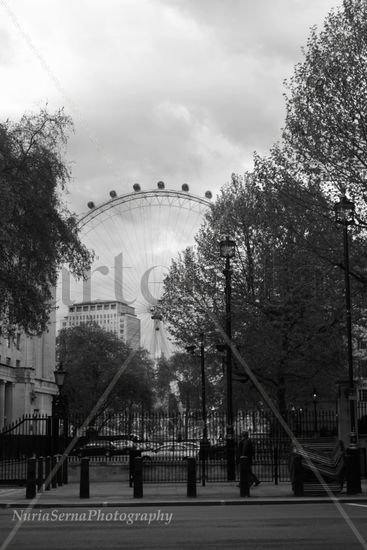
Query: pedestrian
x=246 y=448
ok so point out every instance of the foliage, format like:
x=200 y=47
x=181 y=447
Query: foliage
x=96 y=361
x=327 y=102
x=182 y=371
x=288 y=273
x=286 y=300
x=37 y=232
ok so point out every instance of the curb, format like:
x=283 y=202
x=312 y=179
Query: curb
x=246 y=501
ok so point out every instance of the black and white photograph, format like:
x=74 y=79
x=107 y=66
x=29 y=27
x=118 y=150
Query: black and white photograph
x=183 y=274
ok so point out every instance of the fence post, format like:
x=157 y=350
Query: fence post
x=138 y=477
x=244 y=476
x=54 y=472
x=48 y=473
x=31 y=478
x=84 y=478
x=276 y=465
x=65 y=463
x=191 y=477
x=40 y=472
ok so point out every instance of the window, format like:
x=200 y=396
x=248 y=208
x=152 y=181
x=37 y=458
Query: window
x=107 y=306
x=92 y=308
x=8 y=361
x=99 y=307
x=79 y=308
x=71 y=309
x=113 y=306
x=363 y=395
x=17 y=363
x=85 y=308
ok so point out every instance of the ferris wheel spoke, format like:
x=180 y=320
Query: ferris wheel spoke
x=135 y=236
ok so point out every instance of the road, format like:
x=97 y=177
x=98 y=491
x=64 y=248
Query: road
x=318 y=526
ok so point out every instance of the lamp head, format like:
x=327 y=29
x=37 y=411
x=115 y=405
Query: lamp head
x=344 y=211
x=227 y=248
x=60 y=374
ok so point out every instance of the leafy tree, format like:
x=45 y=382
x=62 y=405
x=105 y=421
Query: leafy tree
x=286 y=301
x=288 y=281
x=93 y=358
x=182 y=371
x=37 y=232
x=326 y=103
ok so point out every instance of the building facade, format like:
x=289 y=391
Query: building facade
x=111 y=315
x=27 y=381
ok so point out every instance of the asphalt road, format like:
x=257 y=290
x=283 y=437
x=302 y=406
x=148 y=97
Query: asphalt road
x=318 y=526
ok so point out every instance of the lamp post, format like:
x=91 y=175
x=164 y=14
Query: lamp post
x=204 y=442
x=344 y=215
x=314 y=399
x=59 y=408
x=227 y=251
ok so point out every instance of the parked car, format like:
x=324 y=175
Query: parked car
x=101 y=447
x=172 y=451
x=124 y=446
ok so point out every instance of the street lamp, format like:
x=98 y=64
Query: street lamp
x=204 y=442
x=59 y=409
x=227 y=250
x=314 y=399
x=344 y=215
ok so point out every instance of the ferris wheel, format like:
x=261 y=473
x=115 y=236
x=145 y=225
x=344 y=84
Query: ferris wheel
x=134 y=237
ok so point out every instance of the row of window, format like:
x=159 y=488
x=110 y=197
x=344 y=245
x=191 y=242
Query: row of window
x=8 y=362
x=92 y=307
x=98 y=316
x=13 y=340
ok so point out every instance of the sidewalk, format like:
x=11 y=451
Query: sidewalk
x=120 y=494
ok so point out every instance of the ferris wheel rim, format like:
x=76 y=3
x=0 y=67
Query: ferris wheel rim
x=96 y=211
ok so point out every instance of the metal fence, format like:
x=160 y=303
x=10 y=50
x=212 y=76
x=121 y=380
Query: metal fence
x=161 y=427
x=41 y=435
x=13 y=471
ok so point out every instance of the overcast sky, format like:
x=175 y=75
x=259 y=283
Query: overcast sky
x=173 y=90
x=182 y=91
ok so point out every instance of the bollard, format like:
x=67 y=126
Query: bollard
x=59 y=470
x=131 y=467
x=191 y=477
x=297 y=475
x=40 y=478
x=138 y=477
x=244 y=476
x=65 y=472
x=276 y=463
x=31 y=478
x=353 y=470
x=84 y=478
x=48 y=473
x=54 y=472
